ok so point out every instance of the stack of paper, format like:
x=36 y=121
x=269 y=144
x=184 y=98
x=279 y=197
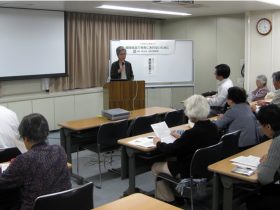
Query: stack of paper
x=250 y=161
x=245 y=165
x=146 y=142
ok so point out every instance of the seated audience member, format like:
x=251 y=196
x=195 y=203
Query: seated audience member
x=261 y=90
x=240 y=117
x=276 y=84
x=8 y=128
x=202 y=134
x=274 y=96
x=39 y=171
x=269 y=167
x=217 y=102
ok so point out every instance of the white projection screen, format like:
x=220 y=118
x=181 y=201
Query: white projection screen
x=32 y=44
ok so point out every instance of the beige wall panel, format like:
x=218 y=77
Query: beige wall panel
x=159 y=97
x=21 y=108
x=230 y=45
x=88 y=105
x=46 y=108
x=64 y=109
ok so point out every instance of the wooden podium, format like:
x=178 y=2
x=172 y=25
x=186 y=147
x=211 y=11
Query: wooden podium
x=128 y=95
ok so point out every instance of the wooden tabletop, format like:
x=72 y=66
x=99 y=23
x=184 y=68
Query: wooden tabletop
x=93 y=122
x=225 y=167
x=137 y=201
x=125 y=141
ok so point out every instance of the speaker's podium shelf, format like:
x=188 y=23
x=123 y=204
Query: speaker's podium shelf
x=128 y=95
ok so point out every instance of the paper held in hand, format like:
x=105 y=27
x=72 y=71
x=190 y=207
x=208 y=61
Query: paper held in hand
x=163 y=132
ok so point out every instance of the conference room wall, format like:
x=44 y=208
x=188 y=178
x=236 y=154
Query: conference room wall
x=261 y=52
x=217 y=39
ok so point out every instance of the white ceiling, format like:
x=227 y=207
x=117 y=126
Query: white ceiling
x=198 y=8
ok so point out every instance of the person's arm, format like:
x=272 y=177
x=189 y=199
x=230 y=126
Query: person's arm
x=114 y=73
x=182 y=144
x=270 y=164
x=130 y=71
x=219 y=98
x=12 y=177
x=225 y=120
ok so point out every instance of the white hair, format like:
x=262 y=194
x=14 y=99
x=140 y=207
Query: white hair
x=197 y=107
x=262 y=78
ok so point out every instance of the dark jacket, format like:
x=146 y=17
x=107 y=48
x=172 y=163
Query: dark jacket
x=116 y=75
x=203 y=134
x=41 y=170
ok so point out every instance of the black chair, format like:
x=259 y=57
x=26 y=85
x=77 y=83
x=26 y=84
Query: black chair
x=198 y=169
x=107 y=141
x=142 y=125
x=6 y=154
x=78 y=198
x=230 y=144
x=175 y=118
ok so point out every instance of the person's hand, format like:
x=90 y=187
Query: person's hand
x=175 y=134
x=262 y=102
x=263 y=158
x=219 y=116
x=253 y=107
x=156 y=140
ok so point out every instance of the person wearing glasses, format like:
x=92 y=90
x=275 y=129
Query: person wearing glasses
x=121 y=69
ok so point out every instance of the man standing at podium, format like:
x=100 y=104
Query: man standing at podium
x=121 y=69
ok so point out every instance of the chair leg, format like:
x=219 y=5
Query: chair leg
x=99 y=167
x=78 y=171
x=191 y=188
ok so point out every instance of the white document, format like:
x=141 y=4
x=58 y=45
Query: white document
x=146 y=142
x=248 y=162
x=163 y=132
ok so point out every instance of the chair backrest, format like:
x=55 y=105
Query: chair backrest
x=142 y=125
x=175 y=118
x=230 y=144
x=109 y=133
x=7 y=154
x=204 y=157
x=78 y=198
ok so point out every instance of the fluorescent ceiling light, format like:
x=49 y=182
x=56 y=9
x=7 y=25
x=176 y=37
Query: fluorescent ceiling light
x=275 y=2
x=142 y=10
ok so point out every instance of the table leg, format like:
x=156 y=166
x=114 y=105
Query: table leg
x=216 y=192
x=124 y=165
x=131 y=165
x=228 y=192
x=65 y=141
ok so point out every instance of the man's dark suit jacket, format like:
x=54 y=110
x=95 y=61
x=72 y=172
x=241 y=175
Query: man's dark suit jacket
x=116 y=75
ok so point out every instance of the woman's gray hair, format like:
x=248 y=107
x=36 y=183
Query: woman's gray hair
x=262 y=78
x=197 y=107
x=119 y=49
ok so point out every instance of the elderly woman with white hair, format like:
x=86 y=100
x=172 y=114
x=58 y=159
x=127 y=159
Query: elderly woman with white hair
x=204 y=133
x=261 y=91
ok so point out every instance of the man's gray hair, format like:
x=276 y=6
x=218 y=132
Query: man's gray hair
x=262 y=78
x=197 y=107
x=119 y=49
x=276 y=76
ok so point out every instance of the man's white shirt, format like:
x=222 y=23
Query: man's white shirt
x=220 y=98
x=8 y=128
